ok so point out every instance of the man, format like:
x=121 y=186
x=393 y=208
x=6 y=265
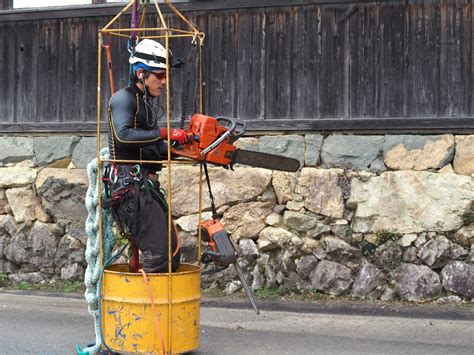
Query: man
x=134 y=135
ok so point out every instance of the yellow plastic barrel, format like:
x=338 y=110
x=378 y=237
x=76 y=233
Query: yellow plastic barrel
x=128 y=322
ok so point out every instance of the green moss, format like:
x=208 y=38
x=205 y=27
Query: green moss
x=56 y=286
x=312 y=295
x=384 y=236
x=391 y=265
x=271 y=292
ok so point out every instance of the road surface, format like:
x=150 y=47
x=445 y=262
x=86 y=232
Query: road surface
x=33 y=324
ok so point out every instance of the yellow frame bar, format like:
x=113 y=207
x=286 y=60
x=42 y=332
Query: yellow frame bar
x=130 y=4
x=168 y=29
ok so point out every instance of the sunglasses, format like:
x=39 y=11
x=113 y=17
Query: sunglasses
x=159 y=76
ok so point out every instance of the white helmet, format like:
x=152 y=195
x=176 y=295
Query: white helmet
x=150 y=53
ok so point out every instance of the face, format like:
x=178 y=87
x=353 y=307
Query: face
x=155 y=82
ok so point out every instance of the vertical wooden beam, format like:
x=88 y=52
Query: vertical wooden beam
x=6 y=4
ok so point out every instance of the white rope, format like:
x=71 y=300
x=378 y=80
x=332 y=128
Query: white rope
x=93 y=245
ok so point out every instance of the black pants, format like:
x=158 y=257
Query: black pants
x=143 y=210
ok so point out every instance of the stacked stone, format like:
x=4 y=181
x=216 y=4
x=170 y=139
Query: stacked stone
x=382 y=217
x=379 y=217
x=42 y=211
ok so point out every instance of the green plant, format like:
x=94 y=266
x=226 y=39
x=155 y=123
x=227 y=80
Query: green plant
x=384 y=236
x=271 y=292
x=312 y=295
x=57 y=286
x=391 y=265
x=3 y=276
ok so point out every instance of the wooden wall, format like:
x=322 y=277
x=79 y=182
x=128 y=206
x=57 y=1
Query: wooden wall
x=281 y=65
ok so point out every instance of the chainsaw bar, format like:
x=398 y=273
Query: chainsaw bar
x=265 y=160
x=247 y=289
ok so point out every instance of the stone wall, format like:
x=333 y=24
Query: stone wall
x=383 y=217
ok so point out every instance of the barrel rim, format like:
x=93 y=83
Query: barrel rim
x=197 y=269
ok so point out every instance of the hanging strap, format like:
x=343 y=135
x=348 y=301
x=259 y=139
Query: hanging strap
x=211 y=196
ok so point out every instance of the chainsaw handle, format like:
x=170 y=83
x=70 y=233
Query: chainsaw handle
x=237 y=127
x=233 y=124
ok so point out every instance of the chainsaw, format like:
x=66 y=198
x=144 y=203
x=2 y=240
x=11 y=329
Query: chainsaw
x=211 y=140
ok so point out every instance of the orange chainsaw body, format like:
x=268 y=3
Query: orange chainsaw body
x=203 y=131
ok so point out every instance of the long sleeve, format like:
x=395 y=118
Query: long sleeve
x=123 y=116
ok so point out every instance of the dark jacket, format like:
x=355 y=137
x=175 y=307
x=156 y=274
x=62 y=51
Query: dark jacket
x=131 y=137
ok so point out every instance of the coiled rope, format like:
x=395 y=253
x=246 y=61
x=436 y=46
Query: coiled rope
x=93 y=269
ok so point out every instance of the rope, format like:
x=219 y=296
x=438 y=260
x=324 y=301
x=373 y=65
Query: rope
x=155 y=314
x=93 y=269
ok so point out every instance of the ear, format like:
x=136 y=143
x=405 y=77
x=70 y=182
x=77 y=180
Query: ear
x=139 y=73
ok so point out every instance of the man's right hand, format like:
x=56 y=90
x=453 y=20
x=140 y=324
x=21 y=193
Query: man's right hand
x=177 y=135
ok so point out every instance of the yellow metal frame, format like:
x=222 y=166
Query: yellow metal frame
x=166 y=33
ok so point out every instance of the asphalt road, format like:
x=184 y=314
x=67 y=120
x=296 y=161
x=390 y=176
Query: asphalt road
x=32 y=324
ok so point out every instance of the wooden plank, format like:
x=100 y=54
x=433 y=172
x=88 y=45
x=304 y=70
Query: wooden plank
x=435 y=125
x=471 y=66
x=250 y=64
x=392 y=79
x=372 y=65
x=6 y=4
x=329 y=64
x=369 y=125
x=50 y=62
x=112 y=9
x=454 y=58
x=313 y=102
x=299 y=44
x=362 y=64
x=217 y=67
x=423 y=71
x=88 y=76
x=25 y=81
x=202 y=23
x=341 y=74
x=4 y=70
x=278 y=57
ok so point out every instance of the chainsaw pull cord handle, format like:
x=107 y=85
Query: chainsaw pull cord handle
x=211 y=196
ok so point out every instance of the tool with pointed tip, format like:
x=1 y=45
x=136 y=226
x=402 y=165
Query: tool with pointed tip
x=222 y=251
x=223 y=254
